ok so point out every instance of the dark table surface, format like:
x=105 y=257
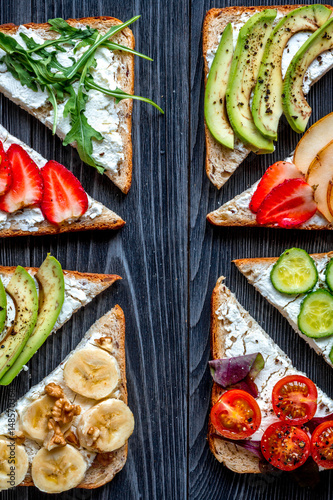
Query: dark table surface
x=169 y=258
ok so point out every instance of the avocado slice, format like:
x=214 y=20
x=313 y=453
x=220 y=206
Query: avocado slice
x=245 y=64
x=215 y=104
x=51 y=298
x=3 y=306
x=267 y=99
x=295 y=107
x=23 y=291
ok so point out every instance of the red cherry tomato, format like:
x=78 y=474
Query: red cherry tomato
x=322 y=445
x=236 y=415
x=285 y=446
x=294 y=399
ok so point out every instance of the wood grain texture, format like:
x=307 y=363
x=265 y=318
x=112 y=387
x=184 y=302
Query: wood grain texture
x=211 y=252
x=149 y=252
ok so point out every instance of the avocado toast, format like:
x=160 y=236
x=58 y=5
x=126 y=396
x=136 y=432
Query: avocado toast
x=221 y=161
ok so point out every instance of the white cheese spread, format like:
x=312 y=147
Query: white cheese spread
x=101 y=110
x=245 y=336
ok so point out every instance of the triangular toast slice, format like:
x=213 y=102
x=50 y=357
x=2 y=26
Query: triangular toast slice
x=80 y=289
x=108 y=330
x=30 y=221
x=113 y=121
x=257 y=271
x=236 y=212
x=221 y=162
x=233 y=333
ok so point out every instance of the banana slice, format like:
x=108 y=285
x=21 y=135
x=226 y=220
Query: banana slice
x=58 y=470
x=35 y=417
x=14 y=463
x=91 y=372
x=106 y=426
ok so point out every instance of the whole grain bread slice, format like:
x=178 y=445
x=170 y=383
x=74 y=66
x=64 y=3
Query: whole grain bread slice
x=235 y=457
x=221 y=162
x=105 y=465
x=257 y=272
x=104 y=218
x=123 y=177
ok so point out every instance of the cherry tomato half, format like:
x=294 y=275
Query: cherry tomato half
x=285 y=446
x=294 y=399
x=322 y=445
x=236 y=415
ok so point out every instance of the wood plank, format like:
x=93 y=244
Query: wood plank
x=211 y=252
x=149 y=253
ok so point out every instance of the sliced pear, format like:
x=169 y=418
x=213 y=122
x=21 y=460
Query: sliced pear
x=295 y=107
x=313 y=141
x=319 y=176
x=215 y=103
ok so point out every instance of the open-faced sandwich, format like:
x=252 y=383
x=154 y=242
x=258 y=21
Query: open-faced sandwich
x=259 y=63
x=43 y=197
x=265 y=414
x=71 y=429
x=34 y=303
x=77 y=77
x=293 y=193
x=300 y=286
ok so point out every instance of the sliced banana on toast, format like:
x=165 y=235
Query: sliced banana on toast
x=14 y=463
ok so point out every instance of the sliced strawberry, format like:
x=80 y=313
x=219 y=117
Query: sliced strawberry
x=26 y=189
x=274 y=175
x=288 y=204
x=5 y=171
x=64 y=198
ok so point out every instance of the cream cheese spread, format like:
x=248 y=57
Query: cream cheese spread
x=31 y=446
x=30 y=219
x=101 y=110
x=245 y=336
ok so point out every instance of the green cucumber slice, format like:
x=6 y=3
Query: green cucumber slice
x=331 y=355
x=315 y=319
x=294 y=272
x=329 y=275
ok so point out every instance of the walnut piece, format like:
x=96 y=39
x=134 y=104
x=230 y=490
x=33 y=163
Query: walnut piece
x=19 y=437
x=71 y=438
x=63 y=411
x=93 y=433
x=105 y=343
x=55 y=437
x=54 y=390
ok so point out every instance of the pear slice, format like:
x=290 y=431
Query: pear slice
x=319 y=176
x=312 y=142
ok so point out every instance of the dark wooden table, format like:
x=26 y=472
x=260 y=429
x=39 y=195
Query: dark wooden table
x=169 y=257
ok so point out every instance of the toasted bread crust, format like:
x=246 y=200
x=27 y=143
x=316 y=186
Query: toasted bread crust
x=221 y=162
x=123 y=178
x=235 y=458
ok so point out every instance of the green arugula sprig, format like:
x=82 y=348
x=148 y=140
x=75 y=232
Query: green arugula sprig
x=37 y=66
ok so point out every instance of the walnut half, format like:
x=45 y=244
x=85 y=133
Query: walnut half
x=55 y=437
x=92 y=435
x=63 y=411
x=54 y=390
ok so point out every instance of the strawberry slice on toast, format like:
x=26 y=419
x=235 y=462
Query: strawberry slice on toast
x=64 y=197
x=26 y=189
x=5 y=171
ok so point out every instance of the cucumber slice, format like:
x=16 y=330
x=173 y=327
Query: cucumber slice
x=331 y=355
x=329 y=275
x=315 y=319
x=294 y=272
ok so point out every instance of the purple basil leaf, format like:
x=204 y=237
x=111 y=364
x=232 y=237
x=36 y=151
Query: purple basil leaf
x=229 y=371
x=314 y=422
x=247 y=385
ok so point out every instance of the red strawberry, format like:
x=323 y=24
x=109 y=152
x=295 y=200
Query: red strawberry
x=288 y=204
x=26 y=189
x=274 y=175
x=5 y=171
x=64 y=198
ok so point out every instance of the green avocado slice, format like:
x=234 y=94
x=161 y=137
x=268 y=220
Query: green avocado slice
x=23 y=291
x=295 y=107
x=3 y=306
x=215 y=106
x=267 y=99
x=51 y=298
x=245 y=64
